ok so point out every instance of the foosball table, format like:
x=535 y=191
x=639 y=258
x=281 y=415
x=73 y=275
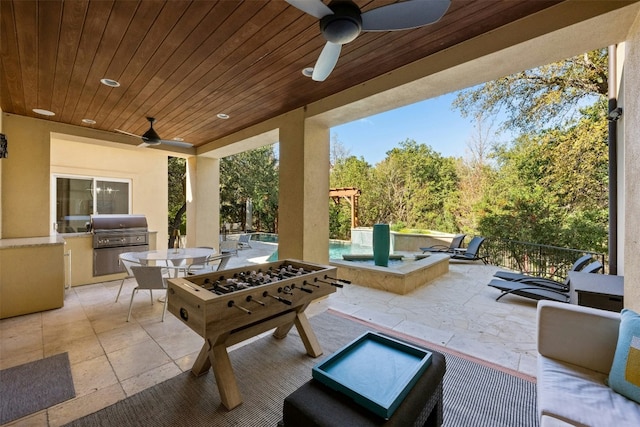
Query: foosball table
x=227 y=307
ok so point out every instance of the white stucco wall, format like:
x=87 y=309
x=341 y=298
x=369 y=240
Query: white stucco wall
x=147 y=170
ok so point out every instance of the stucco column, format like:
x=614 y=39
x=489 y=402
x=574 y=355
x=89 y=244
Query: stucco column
x=303 y=213
x=203 y=201
x=630 y=131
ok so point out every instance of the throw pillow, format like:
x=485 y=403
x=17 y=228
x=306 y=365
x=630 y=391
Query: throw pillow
x=624 y=377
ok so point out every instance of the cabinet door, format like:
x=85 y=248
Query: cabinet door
x=105 y=261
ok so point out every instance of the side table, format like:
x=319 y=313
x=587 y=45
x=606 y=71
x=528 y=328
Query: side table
x=316 y=405
x=602 y=291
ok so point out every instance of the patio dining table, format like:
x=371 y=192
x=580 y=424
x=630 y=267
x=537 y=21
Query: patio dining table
x=173 y=258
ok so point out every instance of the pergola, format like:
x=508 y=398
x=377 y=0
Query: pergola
x=351 y=195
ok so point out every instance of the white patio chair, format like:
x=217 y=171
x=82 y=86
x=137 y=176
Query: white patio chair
x=127 y=260
x=149 y=277
x=212 y=263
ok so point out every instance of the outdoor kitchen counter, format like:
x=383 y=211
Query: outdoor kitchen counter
x=31 y=241
x=31 y=275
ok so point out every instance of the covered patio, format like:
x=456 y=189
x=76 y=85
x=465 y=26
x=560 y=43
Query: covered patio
x=479 y=41
x=112 y=359
x=40 y=149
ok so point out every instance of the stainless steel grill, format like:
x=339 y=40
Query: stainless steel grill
x=116 y=234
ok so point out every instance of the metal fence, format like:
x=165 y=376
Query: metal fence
x=537 y=260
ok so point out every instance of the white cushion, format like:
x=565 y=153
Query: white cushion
x=579 y=396
x=579 y=335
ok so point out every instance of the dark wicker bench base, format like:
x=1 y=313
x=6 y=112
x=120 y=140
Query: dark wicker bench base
x=315 y=405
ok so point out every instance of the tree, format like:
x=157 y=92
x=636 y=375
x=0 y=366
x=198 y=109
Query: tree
x=177 y=197
x=412 y=186
x=550 y=185
x=251 y=175
x=337 y=150
x=422 y=182
x=475 y=175
x=542 y=97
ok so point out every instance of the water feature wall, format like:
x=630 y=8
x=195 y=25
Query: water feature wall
x=401 y=279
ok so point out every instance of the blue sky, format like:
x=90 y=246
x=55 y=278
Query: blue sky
x=433 y=122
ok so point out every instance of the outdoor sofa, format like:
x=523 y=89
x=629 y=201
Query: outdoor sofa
x=576 y=348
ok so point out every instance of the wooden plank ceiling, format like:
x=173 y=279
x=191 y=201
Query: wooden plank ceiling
x=184 y=62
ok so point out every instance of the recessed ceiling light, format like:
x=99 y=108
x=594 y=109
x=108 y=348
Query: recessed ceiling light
x=223 y=116
x=43 y=112
x=110 y=82
x=89 y=121
x=177 y=138
x=307 y=72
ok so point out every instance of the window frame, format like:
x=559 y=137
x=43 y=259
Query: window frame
x=94 y=179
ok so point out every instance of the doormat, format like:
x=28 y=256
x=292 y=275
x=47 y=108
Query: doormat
x=34 y=386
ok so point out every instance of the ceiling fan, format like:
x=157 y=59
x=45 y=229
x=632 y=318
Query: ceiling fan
x=341 y=22
x=151 y=137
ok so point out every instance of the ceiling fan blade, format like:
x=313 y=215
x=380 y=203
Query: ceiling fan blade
x=150 y=141
x=404 y=15
x=176 y=143
x=313 y=7
x=326 y=61
x=127 y=133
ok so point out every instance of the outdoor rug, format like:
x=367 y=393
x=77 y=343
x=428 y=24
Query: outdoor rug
x=268 y=370
x=34 y=386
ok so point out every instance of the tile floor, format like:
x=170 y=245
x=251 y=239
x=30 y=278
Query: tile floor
x=112 y=359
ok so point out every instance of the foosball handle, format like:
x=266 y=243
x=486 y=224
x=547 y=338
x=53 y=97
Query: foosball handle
x=336 y=284
x=307 y=290
x=348 y=282
x=310 y=284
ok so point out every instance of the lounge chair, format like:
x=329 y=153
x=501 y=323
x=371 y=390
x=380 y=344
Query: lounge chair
x=456 y=242
x=509 y=275
x=540 y=288
x=229 y=247
x=243 y=241
x=530 y=291
x=471 y=252
x=594 y=267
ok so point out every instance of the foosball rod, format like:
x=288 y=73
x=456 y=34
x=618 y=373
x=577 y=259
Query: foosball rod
x=282 y=300
x=336 y=284
x=233 y=304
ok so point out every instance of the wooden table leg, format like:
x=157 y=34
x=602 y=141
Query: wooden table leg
x=282 y=330
x=225 y=378
x=309 y=339
x=202 y=364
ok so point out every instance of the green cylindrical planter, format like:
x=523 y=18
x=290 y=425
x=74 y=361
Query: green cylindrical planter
x=381 y=244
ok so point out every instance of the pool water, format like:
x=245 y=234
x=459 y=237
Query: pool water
x=336 y=249
x=265 y=237
x=339 y=248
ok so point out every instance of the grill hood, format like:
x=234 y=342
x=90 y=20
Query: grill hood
x=110 y=223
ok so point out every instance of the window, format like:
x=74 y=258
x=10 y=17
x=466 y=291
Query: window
x=77 y=198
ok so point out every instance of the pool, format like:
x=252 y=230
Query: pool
x=337 y=248
x=265 y=237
